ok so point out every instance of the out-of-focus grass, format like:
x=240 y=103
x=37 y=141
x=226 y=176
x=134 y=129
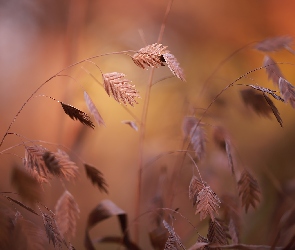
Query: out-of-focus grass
x=38 y=39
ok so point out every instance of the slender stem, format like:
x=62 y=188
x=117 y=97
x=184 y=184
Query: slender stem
x=164 y=21
x=141 y=149
x=143 y=128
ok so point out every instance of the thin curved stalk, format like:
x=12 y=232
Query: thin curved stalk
x=143 y=129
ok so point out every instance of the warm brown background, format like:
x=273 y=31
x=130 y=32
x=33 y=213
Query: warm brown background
x=39 y=38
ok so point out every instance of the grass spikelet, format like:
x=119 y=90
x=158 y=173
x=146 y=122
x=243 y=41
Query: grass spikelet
x=217 y=233
x=248 y=190
x=59 y=164
x=287 y=91
x=207 y=203
x=67 y=212
x=120 y=88
x=274 y=109
x=273 y=71
x=52 y=231
x=267 y=91
x=274 y=43
x=173 y=241
x=77 y=114
x=195 y=187
x=150 y=56
x=96 y=177
x=174 y=66
x=196 y=134
x=34 y=163
x=93 y=110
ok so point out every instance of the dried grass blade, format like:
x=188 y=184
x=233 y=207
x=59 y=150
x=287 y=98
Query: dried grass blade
x=21 y=204
x=77 y=114
x=274 y=109
x=273 y=71
x=96 y=177
x=248 y=190
x=288 y=92
x=274 y=43
x=120 y=88
x=67 y=212
x=174 y=66
x=207 y=203
x=104 y=210
x=150 y=56
x=93 y=110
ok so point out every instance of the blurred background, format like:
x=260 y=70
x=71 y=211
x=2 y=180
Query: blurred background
x=40 y=38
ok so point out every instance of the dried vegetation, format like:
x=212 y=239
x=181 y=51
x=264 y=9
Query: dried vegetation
x=223 y=215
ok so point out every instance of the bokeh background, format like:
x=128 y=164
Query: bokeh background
x=39 y=38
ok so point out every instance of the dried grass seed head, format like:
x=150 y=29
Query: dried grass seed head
x=34 y=163
x=194 y=130
x=274 y=43
x=67 y=212
x=120 y=88
x=195 y=188
x=287 y=90
x=150 y=56
x=156 y=55
x=273 y=71
x=207 y=203
x=60 y=165
x=174 y=66
x=93 y=110
x=77 y=114
x=249 y=190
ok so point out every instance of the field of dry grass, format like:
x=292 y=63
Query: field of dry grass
x=147 y=124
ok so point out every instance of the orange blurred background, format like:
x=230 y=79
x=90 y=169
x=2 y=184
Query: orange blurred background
x=39 y=38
